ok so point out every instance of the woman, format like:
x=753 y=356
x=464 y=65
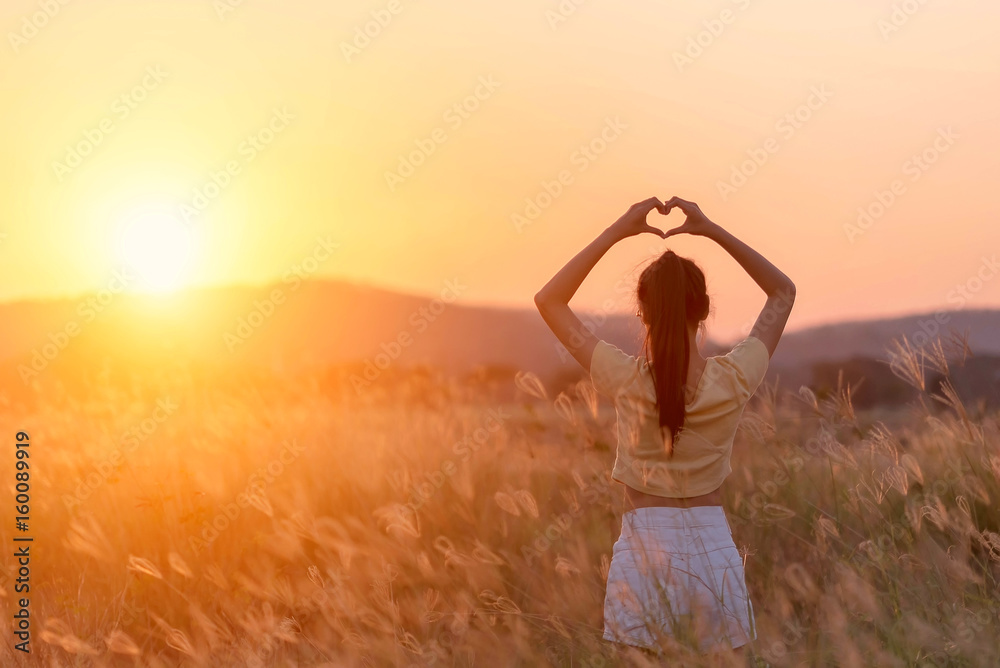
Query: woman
x=675 y=573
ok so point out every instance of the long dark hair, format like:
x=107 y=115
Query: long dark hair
x=672 y=295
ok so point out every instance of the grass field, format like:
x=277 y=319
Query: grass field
x=178 y=521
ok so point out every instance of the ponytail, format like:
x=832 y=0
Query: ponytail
x=672 y=296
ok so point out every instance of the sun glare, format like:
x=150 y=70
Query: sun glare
x=159 y=247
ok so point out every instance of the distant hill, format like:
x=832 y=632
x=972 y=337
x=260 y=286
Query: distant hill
x=287 y=327
x=800 y=350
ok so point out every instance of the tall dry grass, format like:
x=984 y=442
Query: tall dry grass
x=439 y=528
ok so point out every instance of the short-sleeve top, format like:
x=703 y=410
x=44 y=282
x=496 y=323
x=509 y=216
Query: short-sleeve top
x=700 y=459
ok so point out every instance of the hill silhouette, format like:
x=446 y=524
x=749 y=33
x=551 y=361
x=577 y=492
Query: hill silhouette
x=285 y=328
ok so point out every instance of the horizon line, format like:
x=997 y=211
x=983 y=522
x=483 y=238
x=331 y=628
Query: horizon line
x=180 y=292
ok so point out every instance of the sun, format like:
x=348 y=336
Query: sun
x=158 y=247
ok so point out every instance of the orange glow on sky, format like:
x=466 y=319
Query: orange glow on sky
x=853 y=144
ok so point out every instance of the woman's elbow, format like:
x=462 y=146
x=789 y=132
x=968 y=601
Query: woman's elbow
x=786 y=292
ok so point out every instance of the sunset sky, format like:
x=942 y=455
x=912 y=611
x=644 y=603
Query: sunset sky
x=119 y=119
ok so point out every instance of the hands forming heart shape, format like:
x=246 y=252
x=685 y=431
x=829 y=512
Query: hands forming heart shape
x=634 y=222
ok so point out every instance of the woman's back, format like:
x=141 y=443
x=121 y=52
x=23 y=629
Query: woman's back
x=699 y=461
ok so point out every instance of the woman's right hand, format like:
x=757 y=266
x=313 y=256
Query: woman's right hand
x=696 y=223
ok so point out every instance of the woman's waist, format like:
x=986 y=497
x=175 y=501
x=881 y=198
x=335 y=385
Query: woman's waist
x=637 y=499
x=694 y=482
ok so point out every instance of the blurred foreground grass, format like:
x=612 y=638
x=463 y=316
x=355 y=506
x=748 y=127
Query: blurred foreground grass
x=178 y=522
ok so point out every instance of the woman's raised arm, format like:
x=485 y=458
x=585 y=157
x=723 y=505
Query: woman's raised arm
x=776 y=285
x=553 y=299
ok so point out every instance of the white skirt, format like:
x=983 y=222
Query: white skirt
x=676 y=572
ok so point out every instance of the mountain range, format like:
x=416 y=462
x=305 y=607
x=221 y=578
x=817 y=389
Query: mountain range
x=292 y=326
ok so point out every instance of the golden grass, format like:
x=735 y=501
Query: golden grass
x=455 y=531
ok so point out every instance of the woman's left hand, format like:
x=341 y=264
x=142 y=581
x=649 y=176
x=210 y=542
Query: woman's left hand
x=633 y=221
